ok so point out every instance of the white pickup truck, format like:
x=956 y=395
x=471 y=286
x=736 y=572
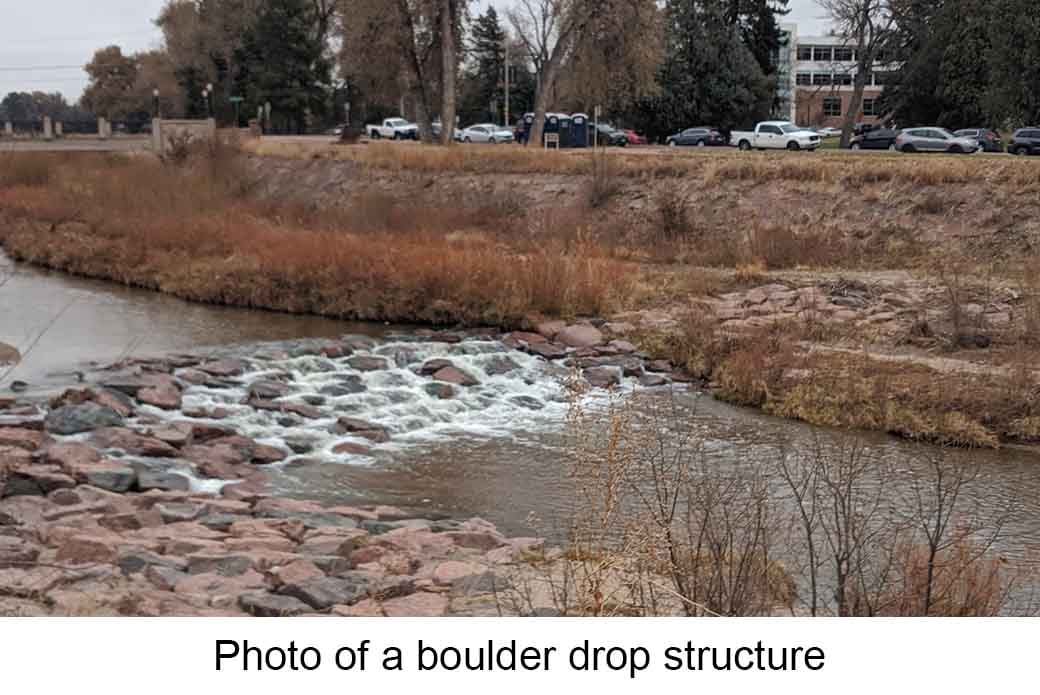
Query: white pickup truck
x=393 y=129
x=776 y=135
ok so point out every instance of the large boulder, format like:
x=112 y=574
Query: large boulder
x=362 y=428
x=85 y=417
x=131 y=442
x=326 y=592
x=368 y=363
x=580 y=336
x=454 y=375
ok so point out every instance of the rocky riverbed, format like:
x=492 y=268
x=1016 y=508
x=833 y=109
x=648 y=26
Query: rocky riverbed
x=144 y=489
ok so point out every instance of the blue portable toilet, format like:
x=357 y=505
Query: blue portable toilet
x=566 y=130
x=579 y=130
x=552 y=125
x=525 y=127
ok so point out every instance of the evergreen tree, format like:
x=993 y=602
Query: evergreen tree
x=1013 y=97
x=759 y=25
x=483 y=77
x=283 y=62
x=709 y=74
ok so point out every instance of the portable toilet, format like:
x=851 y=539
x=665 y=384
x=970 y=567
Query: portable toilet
x=525 y=127
x=552 y=124
x=579 y=130
x=566 y=130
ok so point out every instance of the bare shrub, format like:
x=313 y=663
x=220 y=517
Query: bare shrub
x=605 y=182
x=672 y=215
x=27 y=168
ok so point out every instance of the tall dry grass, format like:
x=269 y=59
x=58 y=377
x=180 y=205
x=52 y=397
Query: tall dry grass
x=196 y=231
x=711 y=167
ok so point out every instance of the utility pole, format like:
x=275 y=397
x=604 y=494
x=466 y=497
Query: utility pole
x=506 y=124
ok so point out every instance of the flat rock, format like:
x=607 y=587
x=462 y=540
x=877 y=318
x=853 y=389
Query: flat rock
x=75 y=419
x=550 y=351
x=162 y=480
x=431 y=367
x=580 y=336
x=324 y=593
x=368 y=363
x=21 y=438
x=453 y=375
x=602 y=377
x=131 y=442
x=361 y=428
x=265 y=605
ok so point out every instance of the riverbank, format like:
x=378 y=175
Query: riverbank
x=907 y=308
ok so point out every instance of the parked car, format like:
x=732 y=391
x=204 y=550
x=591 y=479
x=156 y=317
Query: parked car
x=1025 y=141
x=487 y=133
x=776 y=135
x=393 y=129
x=829 y=132
x=989 y=140
x=701 y=136
x=879 y=139
x=934 y=140
x=607 y=136
x=864 y=128
x=436 y=128
x=635 y=138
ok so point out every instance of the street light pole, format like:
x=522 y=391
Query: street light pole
x=209 y=100
x=506 y=124
x=155 y=102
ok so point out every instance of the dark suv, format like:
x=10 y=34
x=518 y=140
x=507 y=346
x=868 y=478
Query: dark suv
x=1025 y=141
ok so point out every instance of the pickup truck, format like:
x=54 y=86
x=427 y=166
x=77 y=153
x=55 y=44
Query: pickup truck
x=776 y=135
x=393 y=129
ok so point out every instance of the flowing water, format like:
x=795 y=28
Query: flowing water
x=494 y=450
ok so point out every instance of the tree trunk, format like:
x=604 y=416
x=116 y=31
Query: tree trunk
x=449 y=67
x=546 y=84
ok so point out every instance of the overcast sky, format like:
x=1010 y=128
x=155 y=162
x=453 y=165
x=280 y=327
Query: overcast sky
x=44 y=44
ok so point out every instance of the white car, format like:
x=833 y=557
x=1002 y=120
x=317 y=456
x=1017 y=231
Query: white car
x=487 y=133
x=776 y=135
x=829 y=132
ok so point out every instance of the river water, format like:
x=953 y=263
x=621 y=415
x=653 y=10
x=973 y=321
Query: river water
x=495 y=452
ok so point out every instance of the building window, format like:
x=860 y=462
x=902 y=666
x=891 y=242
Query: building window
x=870 y=107
x=880 y=78
x=842 y=55
x=821 y=79
x=822 y=54
x=831 y=106
x=843 y=78
x=805 y=53
x=803 y=78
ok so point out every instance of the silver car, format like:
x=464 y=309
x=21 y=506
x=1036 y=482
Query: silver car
x=487 y=132
x=934 y=140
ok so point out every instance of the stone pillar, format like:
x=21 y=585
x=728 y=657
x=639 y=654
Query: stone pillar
x=157 y=145
x=101 y=128
x=48 y=128
x=9 y=129
x=59 y=129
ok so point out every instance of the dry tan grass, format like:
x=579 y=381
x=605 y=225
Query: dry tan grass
x=195 y=232
x=709 y=167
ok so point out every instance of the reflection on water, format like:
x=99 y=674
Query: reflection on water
x=77 y=321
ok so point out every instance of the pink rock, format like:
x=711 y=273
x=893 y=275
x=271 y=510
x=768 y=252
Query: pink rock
x=447 y=573
x=580 y=336
x=529 y=338
x=85 y=550
x=295 y=573
x=550 y=329
x=418 y=605
x=22 y=438
x=165 y=397
x=215 y=585
x=131 y=442
x=453 y=375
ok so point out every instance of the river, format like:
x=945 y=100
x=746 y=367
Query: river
x=497 y=452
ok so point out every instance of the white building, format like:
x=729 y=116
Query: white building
x=816 y=75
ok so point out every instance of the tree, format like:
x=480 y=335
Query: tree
x=617 y=59
x=759 y=28
x=550 y=30
x=112 y=76
x=283 y=62
x=709 y=75
x=1013 y=98
x=486 y=68
x=868 y=26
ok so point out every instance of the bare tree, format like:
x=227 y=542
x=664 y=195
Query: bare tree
x=868 y=26
x=550 y=30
